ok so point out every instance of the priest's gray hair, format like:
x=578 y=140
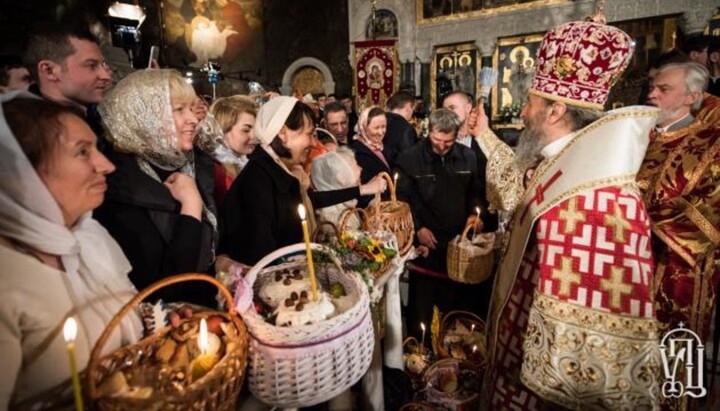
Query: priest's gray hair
x=581 y=117
x=697 y=78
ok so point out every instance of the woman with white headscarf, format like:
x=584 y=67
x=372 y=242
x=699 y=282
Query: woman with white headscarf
x=159 y=205
x=57 y=261
x=336 y=170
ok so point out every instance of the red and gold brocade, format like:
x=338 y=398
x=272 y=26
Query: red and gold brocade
x=680 y=177
x=578 y=328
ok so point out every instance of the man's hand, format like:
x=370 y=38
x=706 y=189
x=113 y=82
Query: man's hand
x=427 y=238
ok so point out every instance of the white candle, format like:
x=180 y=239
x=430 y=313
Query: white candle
x=308 y=251
x=70 y=333
x=477 y=211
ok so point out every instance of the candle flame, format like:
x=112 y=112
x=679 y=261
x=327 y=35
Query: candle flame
x=203 y=342
x=70 y=330
x=395 y=177
x=301 y=211
x=477 y=210
x=422 y=326
x=472 y=328
x=474 y=348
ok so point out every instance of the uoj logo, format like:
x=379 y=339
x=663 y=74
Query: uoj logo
x=683 y=357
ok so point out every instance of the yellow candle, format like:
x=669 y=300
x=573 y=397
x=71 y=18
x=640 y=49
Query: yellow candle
x=422 y=342
x=208 y=354
x=308 y=251
x=70 y=332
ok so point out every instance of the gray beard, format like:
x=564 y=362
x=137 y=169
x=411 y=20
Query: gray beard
x=527 y=151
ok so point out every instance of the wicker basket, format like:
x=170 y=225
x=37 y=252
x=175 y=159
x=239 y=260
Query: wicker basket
x=216 y=390
x=470 y=321
x=466 y=378
x=468 y=263
x=393 y=216
x=300 y=366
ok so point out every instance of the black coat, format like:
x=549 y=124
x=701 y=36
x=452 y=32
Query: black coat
x=371 y=165
x=260 y=211
x=144 y=218
x=400 y=136
x=442 y=193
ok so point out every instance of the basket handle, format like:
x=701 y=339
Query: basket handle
x=391 y=187
x=319 y=226
x=251 y=276
x=465 y=232
x=447 y=317
x=345 y=217
x=115 y=321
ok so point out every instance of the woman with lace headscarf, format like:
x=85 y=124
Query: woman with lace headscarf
x=159 y=204
x=57 y=261
x=368 y=147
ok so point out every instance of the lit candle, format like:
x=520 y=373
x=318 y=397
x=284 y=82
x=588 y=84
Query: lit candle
x=308 y=251
x=394 y=188
x=472 y=328
x=477 y=211
x=208 y=357
x=422 y=342
x=70 y=332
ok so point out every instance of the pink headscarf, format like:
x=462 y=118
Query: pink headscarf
x=362 y=134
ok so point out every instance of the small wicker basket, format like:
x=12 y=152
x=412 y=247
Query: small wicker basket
x=474 y=324
x=468 y=263
x=300 y=366
x=393 y=216
x=216 y=390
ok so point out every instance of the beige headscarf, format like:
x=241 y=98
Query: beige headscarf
x=363 y=131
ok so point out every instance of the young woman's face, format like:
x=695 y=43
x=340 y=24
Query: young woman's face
x=240 y=138
x=298 y=141
x=185 y=123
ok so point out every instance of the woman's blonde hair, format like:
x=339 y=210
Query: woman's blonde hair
x=180 y=90
x=226 y=110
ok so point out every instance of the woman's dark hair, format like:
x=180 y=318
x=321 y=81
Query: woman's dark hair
x=374 y=112
x=295 y=121
x=36 y=126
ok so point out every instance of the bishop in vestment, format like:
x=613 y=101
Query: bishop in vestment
x=572 y=321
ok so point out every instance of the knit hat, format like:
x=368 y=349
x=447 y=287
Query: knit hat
x=271 y=117
x=578 y=63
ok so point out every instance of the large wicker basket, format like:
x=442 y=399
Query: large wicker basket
x=299 y=366
x=468 y=263
x=216 y=390
x=393 y=216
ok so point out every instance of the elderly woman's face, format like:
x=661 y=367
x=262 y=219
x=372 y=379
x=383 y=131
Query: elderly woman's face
x=75 y=171
x=298 y=141
x=185 y=123
x=376 y=129
x=240 y=138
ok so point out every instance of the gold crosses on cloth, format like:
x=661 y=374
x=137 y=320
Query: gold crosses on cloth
x=618 y=223
x=615 y=286
x=572 y=216
x=565 y=276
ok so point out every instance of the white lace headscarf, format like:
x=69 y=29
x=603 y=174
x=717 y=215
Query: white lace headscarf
x=95 y=267
x=138 y=116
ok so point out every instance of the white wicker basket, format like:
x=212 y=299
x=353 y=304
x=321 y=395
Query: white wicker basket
x=300 y=366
